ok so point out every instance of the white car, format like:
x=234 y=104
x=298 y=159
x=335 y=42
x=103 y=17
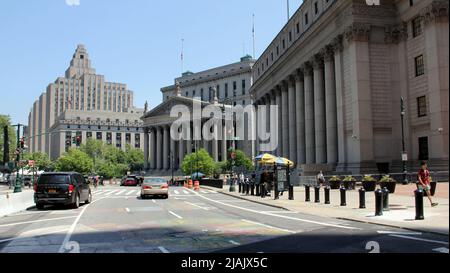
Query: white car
x=155 y=187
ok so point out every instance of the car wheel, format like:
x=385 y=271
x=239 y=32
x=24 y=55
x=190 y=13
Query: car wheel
x=142 y=196
x=166 y=196
x=89 y=200
x=40 y=207
x=76 y=204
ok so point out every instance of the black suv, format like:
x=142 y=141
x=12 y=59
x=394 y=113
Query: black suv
x=61 y=189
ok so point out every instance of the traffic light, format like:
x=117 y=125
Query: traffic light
x=22 y=143
x=78 y=138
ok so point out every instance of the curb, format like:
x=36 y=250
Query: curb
x=339 y=218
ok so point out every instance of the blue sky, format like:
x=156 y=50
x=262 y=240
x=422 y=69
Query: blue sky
x=137 y=42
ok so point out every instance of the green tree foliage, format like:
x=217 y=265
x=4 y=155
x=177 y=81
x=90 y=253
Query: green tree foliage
x=93 y=147
x=134 y=158
x=75 y=160
x=6 y=121
x=42 y=161
x=200 y=161
x=241 y=160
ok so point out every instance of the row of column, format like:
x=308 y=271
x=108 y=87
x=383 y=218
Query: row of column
x=161 y=150
x=307 y=112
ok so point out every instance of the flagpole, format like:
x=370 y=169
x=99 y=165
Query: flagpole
x=288 y=11
x=253 y=36
x=182 y=56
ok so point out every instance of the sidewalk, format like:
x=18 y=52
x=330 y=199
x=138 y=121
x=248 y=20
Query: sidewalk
x=401 y=213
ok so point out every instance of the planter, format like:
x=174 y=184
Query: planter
x=335 y=185
x=350 y=185
x=389 y=185
x=369 y=185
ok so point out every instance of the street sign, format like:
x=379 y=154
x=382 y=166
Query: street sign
x=405 y=157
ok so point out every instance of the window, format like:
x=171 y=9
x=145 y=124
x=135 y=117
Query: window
x=422 y=106
x=290 y=36
x=284 y=44
x=306 y=18
x=417 y=27
x=243 y=87
x=234 y=85
x=298 y=28
x=226 y=90
x=423 y=148
x=316 y=7
x=420 y=67
x=411 y=3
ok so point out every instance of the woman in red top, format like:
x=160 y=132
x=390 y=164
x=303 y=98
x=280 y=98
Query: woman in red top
x=424 y=181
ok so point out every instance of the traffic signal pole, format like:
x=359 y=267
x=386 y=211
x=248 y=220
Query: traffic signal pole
x=20 y=142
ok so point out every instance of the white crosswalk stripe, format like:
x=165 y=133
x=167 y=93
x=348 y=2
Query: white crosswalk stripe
x=185 y=192
x=120 y=192
x=130 y=192
x=111 y=192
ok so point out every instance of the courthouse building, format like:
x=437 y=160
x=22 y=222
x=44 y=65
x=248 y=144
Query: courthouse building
x=222 y=86
x=82 y=104
x=338 y=70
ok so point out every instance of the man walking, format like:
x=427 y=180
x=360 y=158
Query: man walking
x=424 y=181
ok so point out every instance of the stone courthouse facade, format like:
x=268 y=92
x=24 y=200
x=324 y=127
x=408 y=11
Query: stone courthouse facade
x=338 y=70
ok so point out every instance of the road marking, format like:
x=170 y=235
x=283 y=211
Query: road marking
x=74 y=224
x=176 y=215
x=29 y=237
x=441 y=250
x=195 y=205
x=276 y=215
x=127 y=210
x=203 y=191
x=111 y=192
x=399 y=232
x=37 y=221
x=163 y=249
x=120 y=192
x=154 y=201
x=185 y=192
x=268 y=226
x=176 y=192
x=234 y=243
x=280 y=211
x=419 y=239
x=130 y=192
x=177 y=198
x=25 y=214
x=211 y=191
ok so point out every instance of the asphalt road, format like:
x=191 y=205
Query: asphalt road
x=118 y=221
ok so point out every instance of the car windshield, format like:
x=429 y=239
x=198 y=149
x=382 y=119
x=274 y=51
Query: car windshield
x=153 y=181
x=54 y=179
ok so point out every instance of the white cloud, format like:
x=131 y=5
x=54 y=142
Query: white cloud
x=73 y=2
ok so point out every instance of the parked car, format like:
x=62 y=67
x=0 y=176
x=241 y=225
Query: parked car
x=155 y=187
x=3 y=178
x=61 y=189
x=130 y=181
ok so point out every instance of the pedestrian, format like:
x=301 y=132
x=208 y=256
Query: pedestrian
x=424 y=181
x=320 y=179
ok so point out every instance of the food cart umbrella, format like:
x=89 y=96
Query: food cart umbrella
x=284 y=161
x=197 y=175
x=266 y=159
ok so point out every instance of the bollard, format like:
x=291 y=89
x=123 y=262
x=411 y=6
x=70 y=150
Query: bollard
x=196 y=186
x=252 y=189
x=291 y=192
x=418 y=194
x=362 y=198
x=232 y=186
x=257 y=188
x=327 y=195
x=317 y=194
x=262 y=190
x=239 y=187
x=385 y=199
x=247 y=187
x=276 y=192
x=378 y=202
x=343 y=191
x=307 y=194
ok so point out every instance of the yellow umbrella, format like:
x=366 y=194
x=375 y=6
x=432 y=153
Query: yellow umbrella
x=266 y=159
x=284 y=161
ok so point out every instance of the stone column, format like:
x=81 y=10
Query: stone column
x=172 y=154
x=257 y=120
x=310 y=140
x=166 y=147
x=224 y=143
x=330 y=106
x=146 y=149
x=279 y=122
x=340 y=111
x=285 y=119
x=181 y=151
x=152 y=149
x=292 y=121
x=268 y=103
x=300 y=118
x=319 y=111
x=215 y=143
x=159 y=148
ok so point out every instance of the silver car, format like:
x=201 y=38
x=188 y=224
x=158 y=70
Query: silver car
x=154 y=186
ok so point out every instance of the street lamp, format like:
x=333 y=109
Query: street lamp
x=18 y=184
x=404 y=153
x=171 y=159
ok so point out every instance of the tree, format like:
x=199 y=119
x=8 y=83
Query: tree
x=134 y=158
x=200 y=161
x=75 y=160
x=41 y=160
x=93 y=147
x=241 y=160
x=6 y=121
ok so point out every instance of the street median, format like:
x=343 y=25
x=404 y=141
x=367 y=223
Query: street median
x=15 y=202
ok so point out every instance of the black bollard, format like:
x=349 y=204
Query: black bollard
x=252 y=189
x=257 y=189
x=317 y=194
x=291 y=192
x=247 y=189
x=418 y=194
x=343 y=196
x=327 y=195
x=276 y=192
x=262 y=190
x=385 y=199
x=307 y=194
x=362 y=198
x=240 y=187
x=378 y=202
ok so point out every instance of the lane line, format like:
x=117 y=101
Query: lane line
x=185 y=192
x=234 y=243
x=25 y=214
x=29 y=237
x=176 y=215
x=36 y=221
x=74 y=224
x=176 y=192
x=121 y=192
x=130 y=192
x=195 y=205
x=399 y=232
x=111 y=192
x=127 y=210
x=154 y=201
x=268 y=226
x=419 y=239
x=276 y=215
x=441 y=250
x=163 y=249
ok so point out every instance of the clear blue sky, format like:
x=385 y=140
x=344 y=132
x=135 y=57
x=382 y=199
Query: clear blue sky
x=137 y=42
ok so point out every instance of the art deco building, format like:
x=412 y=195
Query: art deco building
x=338 y=70
x=81 y=98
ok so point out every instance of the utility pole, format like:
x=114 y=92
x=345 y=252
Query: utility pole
x=18 y=185
x=5 y=145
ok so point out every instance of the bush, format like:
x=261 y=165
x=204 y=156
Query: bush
x=369 y=178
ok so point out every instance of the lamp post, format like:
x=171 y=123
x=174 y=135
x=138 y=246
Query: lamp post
x=171 y=159
x=404 y=152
